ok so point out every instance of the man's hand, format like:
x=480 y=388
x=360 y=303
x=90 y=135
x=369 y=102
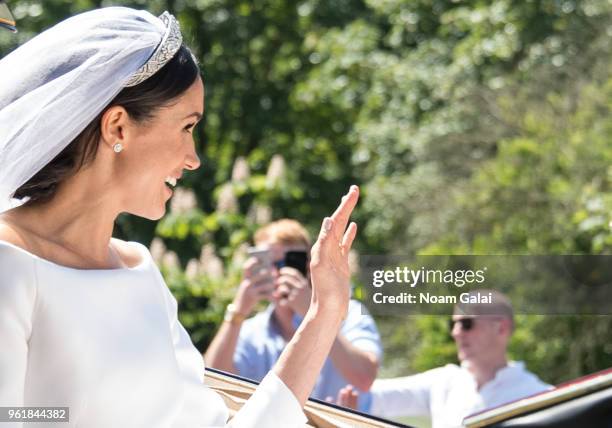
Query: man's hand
x=347 y=397
x=257 y=284
x=293 y=289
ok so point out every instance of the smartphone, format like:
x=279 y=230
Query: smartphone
x=297 y=260
x=263 y=256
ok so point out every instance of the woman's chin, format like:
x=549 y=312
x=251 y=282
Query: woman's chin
x=156 y=216
x=150 y=213
x=157 y=208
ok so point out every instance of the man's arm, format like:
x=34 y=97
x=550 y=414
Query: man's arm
x=357 y=366
x=405 y=396
x=256 y=286
x=357 y=350
x=220 y=352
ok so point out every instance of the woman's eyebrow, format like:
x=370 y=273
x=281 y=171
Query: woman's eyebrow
x=198 y=115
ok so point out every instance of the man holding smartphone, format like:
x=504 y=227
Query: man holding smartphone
x=277 y=271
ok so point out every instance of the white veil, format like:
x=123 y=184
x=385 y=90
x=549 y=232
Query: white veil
x=54 y=85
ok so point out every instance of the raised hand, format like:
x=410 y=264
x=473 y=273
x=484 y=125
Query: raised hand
x=303 y=357
x=329 y=265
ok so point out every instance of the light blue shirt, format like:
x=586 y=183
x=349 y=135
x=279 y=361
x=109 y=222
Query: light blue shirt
x=260 y=343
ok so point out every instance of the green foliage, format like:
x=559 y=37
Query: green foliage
x=542 y=342
x=193 y=295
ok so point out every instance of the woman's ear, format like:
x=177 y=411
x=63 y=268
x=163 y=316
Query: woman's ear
x=113 y=125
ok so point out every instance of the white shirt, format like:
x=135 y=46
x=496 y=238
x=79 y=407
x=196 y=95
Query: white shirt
x=448 y=394
x=108 y=345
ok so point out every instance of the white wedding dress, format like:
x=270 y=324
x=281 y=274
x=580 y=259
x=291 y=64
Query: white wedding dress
x=108 y=345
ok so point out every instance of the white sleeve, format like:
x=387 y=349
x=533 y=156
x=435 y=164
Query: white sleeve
x=17 y=300
x=272 y=405
x=403 y=396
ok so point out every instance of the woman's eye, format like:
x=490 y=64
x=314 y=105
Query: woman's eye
x=189 y=127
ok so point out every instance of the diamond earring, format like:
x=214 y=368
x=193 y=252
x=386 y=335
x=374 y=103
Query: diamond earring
x=118 y=147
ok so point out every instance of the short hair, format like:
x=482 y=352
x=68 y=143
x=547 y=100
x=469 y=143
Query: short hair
x=500 y=306
x=285 y=232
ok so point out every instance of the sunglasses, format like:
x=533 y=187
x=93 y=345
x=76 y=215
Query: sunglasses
x=466 y=324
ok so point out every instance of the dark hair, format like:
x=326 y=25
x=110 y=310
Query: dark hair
x=140 y=101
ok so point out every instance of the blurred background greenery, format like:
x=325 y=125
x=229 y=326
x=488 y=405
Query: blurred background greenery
x=472 y=127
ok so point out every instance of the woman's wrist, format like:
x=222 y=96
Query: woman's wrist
x=336 y=305
x=330 y=312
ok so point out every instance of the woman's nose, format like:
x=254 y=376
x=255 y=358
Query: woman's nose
x=193 y=160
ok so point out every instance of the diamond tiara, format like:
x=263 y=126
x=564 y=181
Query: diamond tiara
x=167 y=48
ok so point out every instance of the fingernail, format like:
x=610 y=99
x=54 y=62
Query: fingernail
x=327 y=224
x=353 y=187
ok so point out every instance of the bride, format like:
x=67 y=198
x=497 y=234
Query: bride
x=96 y=119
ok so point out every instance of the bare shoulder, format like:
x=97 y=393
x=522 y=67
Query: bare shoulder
x=129 y=253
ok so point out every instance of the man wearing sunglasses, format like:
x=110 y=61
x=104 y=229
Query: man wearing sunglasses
x=277 y=271
x=485 y=378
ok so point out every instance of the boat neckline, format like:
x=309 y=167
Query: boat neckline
x=139 y=247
